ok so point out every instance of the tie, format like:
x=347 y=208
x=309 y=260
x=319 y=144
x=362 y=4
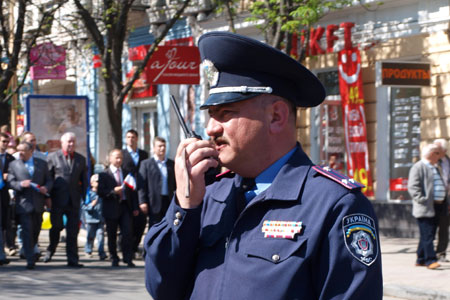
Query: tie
x=69 y=160
x=247 y=184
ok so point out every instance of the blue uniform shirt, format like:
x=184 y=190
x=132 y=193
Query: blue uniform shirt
x=212 y=253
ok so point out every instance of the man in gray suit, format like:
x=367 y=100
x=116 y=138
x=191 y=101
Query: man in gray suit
x=29 y=177
x=69 y=172
x=427 y=189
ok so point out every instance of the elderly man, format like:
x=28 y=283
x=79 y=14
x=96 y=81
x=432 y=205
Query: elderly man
x=29 y=177
x=443 y=217
x=281 y=228
x=69 y=172
x=426 y=187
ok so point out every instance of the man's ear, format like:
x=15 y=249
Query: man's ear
x=279 y=116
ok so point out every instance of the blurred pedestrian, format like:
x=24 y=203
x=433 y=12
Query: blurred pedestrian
x=31 y=180
x=427 y=190
x=93 y=217
x=68 y=168
x=443 y=219
x=132 y=158
x=118 y=208
x=30 y=138
x=7 y=213
x=157 y=182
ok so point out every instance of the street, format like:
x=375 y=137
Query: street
x=54 y=280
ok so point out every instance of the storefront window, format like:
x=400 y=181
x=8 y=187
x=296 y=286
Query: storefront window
x=404 y=138
x=331 y=131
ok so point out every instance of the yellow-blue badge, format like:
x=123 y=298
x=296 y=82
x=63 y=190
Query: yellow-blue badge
x=360 y=237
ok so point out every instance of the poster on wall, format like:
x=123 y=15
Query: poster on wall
x=351 y=90
x=404 y=139
x=50 y=116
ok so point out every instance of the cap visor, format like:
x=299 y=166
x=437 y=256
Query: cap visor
x=224 y=98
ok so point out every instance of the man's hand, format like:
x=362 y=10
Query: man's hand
x=194 y=157
x=118 y=189
x=25 y=183
x=43 y=190
x=5 y=176
x=144 y=208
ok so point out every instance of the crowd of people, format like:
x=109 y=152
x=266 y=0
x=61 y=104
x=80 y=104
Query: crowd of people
x=132 y=191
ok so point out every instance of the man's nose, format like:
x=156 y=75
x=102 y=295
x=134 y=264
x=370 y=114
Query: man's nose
x=214 y=128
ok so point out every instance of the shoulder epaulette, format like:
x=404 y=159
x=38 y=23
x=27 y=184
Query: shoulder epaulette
x=348 y=182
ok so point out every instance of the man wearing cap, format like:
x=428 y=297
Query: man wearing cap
x=281 y=228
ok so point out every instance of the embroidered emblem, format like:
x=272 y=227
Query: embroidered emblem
x=281 y=229
x=211 y=72
x=348 y=182
x=360 y=237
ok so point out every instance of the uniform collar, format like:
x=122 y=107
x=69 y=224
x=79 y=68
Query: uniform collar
x=296 y=170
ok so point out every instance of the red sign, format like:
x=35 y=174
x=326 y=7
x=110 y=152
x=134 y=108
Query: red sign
x=398 y=184
x=351 y=89
x=174 y=65
x=141 y=87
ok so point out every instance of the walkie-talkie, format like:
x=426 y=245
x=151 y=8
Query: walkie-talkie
x=188 y=133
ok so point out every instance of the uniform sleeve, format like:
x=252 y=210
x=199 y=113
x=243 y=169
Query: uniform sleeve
x=170 y=253
x=348 y=263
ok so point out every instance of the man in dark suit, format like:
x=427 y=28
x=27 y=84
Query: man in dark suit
x=156 y=182
x=69 y=172
x=132 y=158
x=6 y=208
x=29 y=177
x=119 y=203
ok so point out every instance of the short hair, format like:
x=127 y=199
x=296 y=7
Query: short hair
x=159 y=139
x=427 y=150
x=441 y=143
x=4 y=135
x=114 y=150
x=28 y=145
x=68 y=134
x=94 y=177
x=26 y=133
x=133 y=132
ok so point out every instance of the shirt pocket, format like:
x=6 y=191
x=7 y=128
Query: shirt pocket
x=275 y=250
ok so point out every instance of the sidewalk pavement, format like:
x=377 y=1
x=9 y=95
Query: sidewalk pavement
x=403 y=280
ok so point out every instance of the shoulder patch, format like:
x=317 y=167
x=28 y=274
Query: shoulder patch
x=360 y=237
x=348 y=182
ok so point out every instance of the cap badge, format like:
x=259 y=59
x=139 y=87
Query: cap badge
x=211 y=72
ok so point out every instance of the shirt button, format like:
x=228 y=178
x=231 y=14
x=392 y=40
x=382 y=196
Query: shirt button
x=178 y=215
x=176 y=222
x=275 y=258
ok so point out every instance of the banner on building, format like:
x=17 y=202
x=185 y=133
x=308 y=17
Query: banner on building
x=48 y=62
x=351 y=90
x=174 y=65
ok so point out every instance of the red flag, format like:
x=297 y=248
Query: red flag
x=97 y=60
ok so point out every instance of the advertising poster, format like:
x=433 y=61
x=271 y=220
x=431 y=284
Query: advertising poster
x=50 y=116
x=352 y=97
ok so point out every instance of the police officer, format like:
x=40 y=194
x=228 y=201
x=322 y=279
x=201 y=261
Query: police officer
x=281 y=228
